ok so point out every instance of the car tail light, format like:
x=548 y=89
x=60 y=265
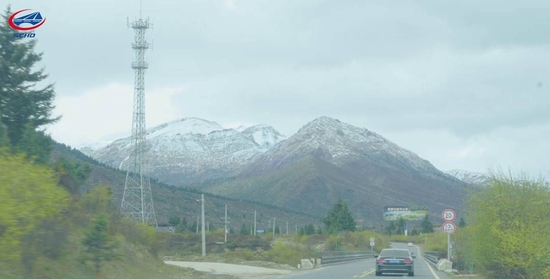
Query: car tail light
x=381 y=260
x=408 y=260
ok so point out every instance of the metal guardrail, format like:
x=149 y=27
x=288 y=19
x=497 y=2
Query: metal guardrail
x=432 y=257
x=334 y=257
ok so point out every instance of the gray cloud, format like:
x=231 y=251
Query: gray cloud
x=470 y=70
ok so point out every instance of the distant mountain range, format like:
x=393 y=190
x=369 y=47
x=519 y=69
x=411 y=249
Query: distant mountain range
x=326 y=159
x=191 y=149
x=172 y=201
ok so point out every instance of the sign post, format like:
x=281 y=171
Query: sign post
x=372 y=244
x=449 y=227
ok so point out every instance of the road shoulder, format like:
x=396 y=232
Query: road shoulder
x=241 y=271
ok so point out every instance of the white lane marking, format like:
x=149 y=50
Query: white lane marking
x=431 y=269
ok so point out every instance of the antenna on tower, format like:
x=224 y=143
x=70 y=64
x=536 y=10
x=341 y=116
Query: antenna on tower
x=137 y=200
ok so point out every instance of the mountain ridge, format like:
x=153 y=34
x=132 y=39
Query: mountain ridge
x=470 y=177
x=328 y=159
x=191 y=149
x=325 y=160
x=341 y=143
x=170 y=200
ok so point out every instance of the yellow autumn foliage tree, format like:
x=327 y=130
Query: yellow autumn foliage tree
x=509 y=236
x=28 y=194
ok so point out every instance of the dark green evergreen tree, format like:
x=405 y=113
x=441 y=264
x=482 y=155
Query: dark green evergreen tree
x=22 y=104
x=181 y=228
x=193 y=227
x=36 y=144
x=400 y=226
x=99 y=246
x=184 y=223
x=391 y=228
x=245 y=230
x=310 y=229
x=319 y=230
x=427 y=226
x=339 y=218
x=4 y=141
x=174 y=220
x=71 y=175
x=461 y=223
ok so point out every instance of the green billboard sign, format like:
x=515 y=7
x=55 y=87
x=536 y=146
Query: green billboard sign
x=407 y=213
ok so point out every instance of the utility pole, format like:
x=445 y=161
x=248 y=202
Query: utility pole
x=225 y=240
x=254 y=222
x=287 y=227
x=296 y=229
x=273 y=226
x=198 y=223
x=202 y=225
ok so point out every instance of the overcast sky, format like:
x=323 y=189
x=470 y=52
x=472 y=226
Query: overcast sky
x=464 y=84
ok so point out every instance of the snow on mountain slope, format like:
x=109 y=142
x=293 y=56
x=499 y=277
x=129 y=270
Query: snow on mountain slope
x=189 y=125
x=328 y=159
x=192 y=149
x=90 y=147
x=265 y=136
x=475 y=178
x=339 y=143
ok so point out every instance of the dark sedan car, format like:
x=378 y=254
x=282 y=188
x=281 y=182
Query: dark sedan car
x=395 y=261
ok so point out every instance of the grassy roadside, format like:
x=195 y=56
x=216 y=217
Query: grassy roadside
x=135 y=263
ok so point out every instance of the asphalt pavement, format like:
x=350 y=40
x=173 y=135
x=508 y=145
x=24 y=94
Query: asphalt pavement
x=365 y=269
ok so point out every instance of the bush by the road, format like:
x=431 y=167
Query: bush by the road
x=287 y=254
x=509 y=232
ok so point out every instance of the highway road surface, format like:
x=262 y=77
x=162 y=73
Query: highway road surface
x=365 y=269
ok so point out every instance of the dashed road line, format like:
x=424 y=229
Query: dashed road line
x=366 y=273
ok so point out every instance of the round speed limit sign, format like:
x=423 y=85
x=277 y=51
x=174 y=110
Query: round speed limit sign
x=449 y=227
x=448 y=215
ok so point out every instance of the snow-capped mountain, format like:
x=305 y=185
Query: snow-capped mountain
x=190 y=149
x=474 y=178
x=339 y=143
x=328 y=159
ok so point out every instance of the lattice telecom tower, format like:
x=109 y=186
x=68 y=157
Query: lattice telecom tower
x=137 y=200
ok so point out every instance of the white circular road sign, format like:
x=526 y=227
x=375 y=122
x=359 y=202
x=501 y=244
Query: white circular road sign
x=372 y=239
x=448 y=215
x=372 y=243
x=449 y=227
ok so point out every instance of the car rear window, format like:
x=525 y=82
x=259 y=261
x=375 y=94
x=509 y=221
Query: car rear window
x=394 y=253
